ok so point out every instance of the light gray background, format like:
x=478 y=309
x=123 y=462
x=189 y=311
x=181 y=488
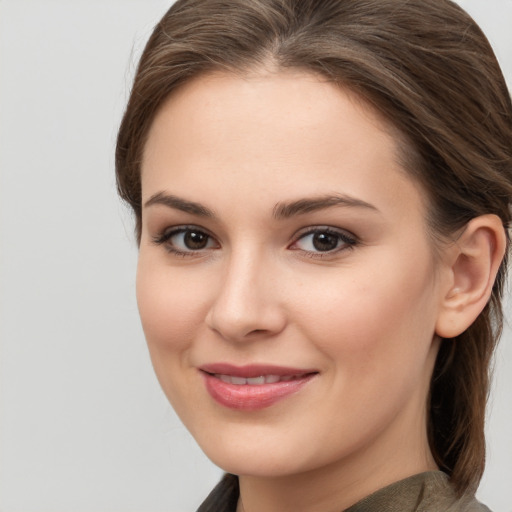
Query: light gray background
x=84 y=426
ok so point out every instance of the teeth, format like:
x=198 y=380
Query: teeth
x=255 y=381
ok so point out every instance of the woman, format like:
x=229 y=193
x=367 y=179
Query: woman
x=322 y=193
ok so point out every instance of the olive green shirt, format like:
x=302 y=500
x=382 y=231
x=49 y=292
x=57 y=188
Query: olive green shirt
x=426 y=492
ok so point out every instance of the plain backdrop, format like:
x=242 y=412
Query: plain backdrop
x=84 y=426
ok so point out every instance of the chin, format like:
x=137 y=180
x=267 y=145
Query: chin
x=261 y=466
x=263 y=455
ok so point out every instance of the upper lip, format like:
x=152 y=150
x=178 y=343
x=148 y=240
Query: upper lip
x=254 y=370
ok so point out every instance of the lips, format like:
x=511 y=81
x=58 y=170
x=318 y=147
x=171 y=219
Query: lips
x=253 y=387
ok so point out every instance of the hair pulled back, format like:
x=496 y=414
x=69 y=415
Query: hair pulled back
x=430 y=71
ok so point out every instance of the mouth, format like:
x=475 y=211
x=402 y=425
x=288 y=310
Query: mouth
x=257 y=381
x=253 y=387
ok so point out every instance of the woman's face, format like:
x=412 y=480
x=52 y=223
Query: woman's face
x=286 y=281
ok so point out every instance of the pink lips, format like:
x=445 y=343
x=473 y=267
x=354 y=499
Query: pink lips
x=252 y=387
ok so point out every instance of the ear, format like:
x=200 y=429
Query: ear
x=471 y=265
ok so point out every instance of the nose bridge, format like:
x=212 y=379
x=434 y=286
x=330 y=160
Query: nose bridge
x=246 y=303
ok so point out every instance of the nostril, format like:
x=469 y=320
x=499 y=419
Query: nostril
x=259 y=333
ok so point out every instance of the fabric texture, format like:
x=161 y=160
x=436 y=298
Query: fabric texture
x=426 y=492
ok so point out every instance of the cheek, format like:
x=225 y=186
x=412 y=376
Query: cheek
x=168 y=306
x=170 y=310
x=376 y=314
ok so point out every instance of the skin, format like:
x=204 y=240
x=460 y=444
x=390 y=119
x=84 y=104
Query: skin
x=363 y=316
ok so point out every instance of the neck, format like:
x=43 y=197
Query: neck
x=335 y=487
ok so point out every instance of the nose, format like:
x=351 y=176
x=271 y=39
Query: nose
x=246 y=305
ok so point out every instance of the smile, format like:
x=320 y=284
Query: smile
x=257 y=381
x=251 y=388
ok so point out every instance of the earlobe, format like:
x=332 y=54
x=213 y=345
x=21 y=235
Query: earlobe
x=473 y=262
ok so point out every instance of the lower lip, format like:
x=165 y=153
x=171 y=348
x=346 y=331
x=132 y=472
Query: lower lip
x=249 y=397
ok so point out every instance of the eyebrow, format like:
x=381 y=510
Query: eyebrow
x=179 y=204
x=307 y=205
x=281 y=210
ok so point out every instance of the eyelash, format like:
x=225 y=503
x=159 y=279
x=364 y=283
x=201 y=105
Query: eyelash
x=347 y=240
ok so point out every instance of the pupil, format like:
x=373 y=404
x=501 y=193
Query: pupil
x=195 y=240
x=325 y=242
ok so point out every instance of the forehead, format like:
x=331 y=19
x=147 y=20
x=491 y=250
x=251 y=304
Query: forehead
x=287 y=100
x=293 y=130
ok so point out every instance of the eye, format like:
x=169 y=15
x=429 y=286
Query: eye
x=324 y=240
x=186 y=240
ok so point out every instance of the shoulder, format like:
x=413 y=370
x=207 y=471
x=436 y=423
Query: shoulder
x=468 y=504
x=425 y=492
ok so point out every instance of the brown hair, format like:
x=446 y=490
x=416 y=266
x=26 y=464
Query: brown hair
x=428 y=68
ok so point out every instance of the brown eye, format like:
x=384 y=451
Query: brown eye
x=195 y=240
x=185 y=240
x=324 y=240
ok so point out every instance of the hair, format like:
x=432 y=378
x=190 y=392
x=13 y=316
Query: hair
x=430 y=71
